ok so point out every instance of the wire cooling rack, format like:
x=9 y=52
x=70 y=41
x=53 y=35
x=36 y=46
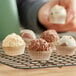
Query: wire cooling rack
x=25 y=62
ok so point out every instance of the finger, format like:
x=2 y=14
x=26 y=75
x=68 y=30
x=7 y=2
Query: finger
x=53 y=3
x=66 y=3
x=70 y=15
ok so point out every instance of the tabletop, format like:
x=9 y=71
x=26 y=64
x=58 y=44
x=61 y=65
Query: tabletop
x=64 y=71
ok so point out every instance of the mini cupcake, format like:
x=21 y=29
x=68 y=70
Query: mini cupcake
x=58 y=15
x=39 y=49
x=13 y=45
x=27 y=35
x=66 y=46
x=51 y=37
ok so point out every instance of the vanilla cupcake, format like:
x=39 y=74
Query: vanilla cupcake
x=13 y=45
x=51 y=37
x=58 y=15
x=66 y=46
x=39 y=49
x=27 y=35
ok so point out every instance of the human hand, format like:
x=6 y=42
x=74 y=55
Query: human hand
x=70 y=24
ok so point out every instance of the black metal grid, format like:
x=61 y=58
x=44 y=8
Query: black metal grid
x=25 y=62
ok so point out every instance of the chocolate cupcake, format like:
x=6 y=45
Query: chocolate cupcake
x=51 y=37
x=39 y=49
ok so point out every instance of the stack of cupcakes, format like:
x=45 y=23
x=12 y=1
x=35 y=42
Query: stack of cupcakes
x=14 y=44
x=39 y=48
x=42 y=48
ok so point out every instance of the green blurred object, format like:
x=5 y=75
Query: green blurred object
x=9 y=21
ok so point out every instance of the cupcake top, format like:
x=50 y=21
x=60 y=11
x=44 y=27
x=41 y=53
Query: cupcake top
x=39 y=45
x=13 y=40
x=50 y=36
x=67 y=41
x=58 y=14
x=29 y=34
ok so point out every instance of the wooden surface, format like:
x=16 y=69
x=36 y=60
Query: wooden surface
x=64 y=71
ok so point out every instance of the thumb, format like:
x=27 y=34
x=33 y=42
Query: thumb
x=70 y=15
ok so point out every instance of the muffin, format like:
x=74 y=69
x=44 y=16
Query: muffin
x=27 y=35
x=39 y=49
x=13 y=45
x=51 y=37
x=66 y=46
x=58 y=15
